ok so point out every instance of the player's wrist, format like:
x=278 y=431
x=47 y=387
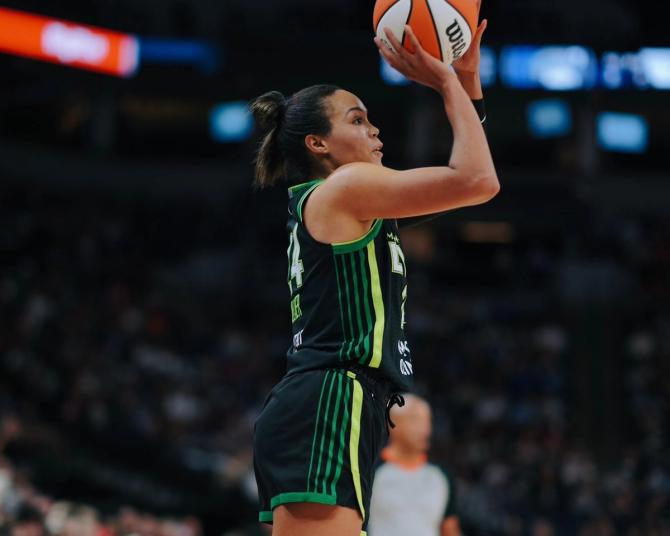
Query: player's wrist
x=472 y=83
x=480 y=108
x=448 y=82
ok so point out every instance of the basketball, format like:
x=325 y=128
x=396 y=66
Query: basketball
x=444 y=28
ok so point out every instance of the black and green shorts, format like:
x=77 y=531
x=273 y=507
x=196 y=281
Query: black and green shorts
x=318 y=439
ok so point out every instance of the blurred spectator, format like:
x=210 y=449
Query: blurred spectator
x=28 y=521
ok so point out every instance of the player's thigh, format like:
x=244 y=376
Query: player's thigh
x=310 y=519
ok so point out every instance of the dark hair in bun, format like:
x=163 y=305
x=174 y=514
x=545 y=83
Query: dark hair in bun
x=285 y=124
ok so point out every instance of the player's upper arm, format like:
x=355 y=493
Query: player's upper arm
x=367 y=191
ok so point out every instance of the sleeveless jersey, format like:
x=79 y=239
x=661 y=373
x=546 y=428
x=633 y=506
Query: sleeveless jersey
x=347 y=300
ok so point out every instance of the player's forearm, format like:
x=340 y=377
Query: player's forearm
x=470 y=153
x=472 y=84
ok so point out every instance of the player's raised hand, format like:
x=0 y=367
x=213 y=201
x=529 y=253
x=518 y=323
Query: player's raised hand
x=467 y=67
x=469 y=62
x=417 y=65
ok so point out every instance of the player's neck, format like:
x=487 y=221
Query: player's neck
x=406 y=458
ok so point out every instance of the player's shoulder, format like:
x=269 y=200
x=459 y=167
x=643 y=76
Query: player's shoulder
x=354 y=174
x=356 y=168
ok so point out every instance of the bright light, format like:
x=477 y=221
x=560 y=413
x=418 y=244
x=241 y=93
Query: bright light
x=557 y=68
x=549 y=118
x=390 y=75
x=487 y=66
x=625 y=133
x=655 y=66
x=68 y=43
x=231 y=122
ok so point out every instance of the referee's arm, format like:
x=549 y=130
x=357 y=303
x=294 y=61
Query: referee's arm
x=450 y=527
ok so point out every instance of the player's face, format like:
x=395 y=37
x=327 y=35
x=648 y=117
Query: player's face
x=352 y=137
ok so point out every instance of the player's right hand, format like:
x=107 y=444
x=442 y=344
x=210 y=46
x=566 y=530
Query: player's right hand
x=418 y=65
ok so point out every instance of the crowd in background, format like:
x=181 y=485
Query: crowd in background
x=137 y=345
x=25 y=511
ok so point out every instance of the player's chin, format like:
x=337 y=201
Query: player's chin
x=377 y=157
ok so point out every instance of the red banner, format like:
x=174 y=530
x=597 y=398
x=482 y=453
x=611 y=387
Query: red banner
x=67 y=43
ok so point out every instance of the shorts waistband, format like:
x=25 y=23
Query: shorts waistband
x=381 y=387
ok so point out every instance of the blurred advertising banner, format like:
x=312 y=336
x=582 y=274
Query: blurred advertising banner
x=67 y=43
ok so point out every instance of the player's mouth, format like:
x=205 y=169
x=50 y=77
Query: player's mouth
x=378 y=150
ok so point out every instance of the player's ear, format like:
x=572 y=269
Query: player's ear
x=316 y=145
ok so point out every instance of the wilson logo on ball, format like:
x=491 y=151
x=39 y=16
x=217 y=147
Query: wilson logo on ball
x=458 y=44
x=444 y=28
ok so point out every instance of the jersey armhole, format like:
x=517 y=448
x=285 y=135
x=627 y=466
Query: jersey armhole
x=338 y=247
x=303 y=198
x=298 y=215
x=361 y=242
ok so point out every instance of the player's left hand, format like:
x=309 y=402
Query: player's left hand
x=469 y=62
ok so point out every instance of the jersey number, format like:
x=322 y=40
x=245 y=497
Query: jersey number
x=295 y=268
x=398 y=267
x=397 y=259
x=402 y=308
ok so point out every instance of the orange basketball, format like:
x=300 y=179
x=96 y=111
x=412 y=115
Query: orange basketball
x=443 y=27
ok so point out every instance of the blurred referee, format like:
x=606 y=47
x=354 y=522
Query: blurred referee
x=411 y=496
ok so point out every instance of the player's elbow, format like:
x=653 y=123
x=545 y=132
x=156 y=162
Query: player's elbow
x=490 y=186
x=484 y=187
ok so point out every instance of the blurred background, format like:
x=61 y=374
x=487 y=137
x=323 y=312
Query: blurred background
x=143 y=307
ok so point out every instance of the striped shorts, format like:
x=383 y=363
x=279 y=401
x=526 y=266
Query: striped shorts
x=318 y=440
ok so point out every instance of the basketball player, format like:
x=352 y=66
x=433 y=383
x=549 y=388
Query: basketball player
x=322 y=427
x=410 y=495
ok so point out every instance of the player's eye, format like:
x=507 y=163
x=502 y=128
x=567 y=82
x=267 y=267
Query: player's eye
x=358 y=121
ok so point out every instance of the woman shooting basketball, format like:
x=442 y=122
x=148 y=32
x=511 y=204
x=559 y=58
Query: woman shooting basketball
x=323 y=425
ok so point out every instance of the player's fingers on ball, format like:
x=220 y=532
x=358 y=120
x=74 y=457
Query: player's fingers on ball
x=391 y=40
x=386 y=54
x=385 y=50
x=413 y=40
x=397 y=45
x=380 y=45
x=391 y=58
x=481 y=29
x=386 y=45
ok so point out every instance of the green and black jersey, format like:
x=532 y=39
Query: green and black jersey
x=347 y=300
